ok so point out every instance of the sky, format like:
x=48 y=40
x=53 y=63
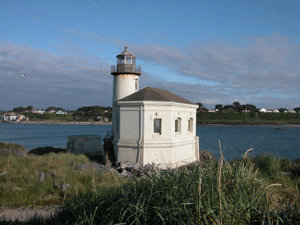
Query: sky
x=59 y=53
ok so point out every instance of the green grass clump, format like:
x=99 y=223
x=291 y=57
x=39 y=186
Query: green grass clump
x=20 y=184
x=11 y=146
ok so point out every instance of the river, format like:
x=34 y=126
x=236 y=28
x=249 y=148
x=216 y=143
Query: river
x=282 y=141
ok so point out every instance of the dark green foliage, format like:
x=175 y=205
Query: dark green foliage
x=91 y=113
x=19 y=109
x=248 y=117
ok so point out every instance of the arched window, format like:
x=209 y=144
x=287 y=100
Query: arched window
x=190 y=124
x=178 y=125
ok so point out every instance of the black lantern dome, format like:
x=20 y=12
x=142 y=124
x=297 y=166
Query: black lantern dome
x=125 y=64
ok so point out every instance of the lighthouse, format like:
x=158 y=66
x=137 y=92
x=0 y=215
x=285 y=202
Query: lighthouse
x=125 y=82
x=151 y=125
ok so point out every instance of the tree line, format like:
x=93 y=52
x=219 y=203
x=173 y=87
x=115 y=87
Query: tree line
x=246 y=114
x=237 y=107
x=86 y=113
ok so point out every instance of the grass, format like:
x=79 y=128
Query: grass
x=244 y=191
x=46 y=180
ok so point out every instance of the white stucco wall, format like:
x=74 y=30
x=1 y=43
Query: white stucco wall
x=124 y=85
x=137 y=141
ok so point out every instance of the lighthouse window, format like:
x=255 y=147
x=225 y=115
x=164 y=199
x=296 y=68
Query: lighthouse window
x=128 y=60
x=121 y=60
x=178 y=125
x=157 y=126
x=136 y=84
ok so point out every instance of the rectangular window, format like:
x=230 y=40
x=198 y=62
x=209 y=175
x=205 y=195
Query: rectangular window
x=190 y=124
x=157 y=126
x=178 y=125
x=121 y=60
x=136 y=84
x=128 y=60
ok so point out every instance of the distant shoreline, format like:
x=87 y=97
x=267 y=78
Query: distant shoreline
x=56 y=122
x=201 y=123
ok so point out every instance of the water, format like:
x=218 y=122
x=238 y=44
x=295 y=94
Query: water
x=235 y=140
x=40 y=135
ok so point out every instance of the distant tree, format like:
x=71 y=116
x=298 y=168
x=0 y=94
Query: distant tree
x=236 y=104
x=199 y=104
x=54 y=108
x=297 y=109
x=282 y=110
x=249 y=107
x=92 y=112
x=201 y=108
x=219 y=107
x=50 y=109
x=29 y=108
x=19 y=109
x=228 y=107
x=237 y=107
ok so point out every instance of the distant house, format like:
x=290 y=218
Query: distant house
x=263 y=110
x=38 y=111
x=291 y=111
x=102 y=119
x=275 y=111
x=61 y=112
x=11 y=116
x=22 y=118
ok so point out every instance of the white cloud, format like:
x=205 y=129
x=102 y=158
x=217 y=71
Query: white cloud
x=262 y=71
x=51 y=79
x=262 y=67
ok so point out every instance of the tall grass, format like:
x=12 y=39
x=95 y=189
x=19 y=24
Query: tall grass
x=239 y=192
x=219 y=193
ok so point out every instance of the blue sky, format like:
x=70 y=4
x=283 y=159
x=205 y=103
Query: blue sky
x=213 y=52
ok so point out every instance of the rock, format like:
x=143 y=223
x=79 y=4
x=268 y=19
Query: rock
x=125 y=173
x=41 y=176
x=91 y=165
x=46 y=150
x=3 y=173
x=136 y=169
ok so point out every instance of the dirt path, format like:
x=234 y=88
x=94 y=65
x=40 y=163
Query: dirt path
x=24 y=214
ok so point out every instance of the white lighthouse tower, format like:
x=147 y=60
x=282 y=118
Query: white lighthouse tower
x=126 y=81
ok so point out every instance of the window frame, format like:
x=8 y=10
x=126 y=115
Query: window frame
x=178 y=125
x=190 y=124
x=157 y=127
